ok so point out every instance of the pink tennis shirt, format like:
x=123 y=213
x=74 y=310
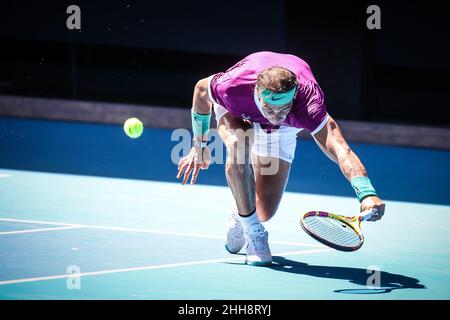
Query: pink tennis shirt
x=235 y=91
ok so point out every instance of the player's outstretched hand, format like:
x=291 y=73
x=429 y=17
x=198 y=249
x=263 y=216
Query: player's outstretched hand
x=198 y=158
x=373 y=203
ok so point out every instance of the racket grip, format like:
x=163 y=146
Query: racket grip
x=366 y=215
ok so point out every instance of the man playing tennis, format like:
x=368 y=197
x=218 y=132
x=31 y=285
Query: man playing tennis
x=260 y=104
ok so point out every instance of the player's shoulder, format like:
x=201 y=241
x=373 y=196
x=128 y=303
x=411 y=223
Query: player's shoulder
x=258 y=61
x=271 y=56
x=265 y=59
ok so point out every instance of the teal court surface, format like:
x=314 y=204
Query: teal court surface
x=87 y=213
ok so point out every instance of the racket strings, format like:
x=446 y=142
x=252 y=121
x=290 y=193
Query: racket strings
x=332 y=231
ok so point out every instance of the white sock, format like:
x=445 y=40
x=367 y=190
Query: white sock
x=248 y=220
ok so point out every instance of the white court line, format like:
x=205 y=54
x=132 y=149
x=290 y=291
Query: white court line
x=39 y=230
x=162 y=266
x=38 y=222
x=182 y=234
x=4 y=175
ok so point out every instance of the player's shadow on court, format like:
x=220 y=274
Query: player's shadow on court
x=387 y=281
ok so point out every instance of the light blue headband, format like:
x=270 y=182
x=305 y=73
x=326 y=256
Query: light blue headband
x=278 y=99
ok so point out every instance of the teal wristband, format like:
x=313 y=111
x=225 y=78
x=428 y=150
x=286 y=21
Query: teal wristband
x=363 y=187
x=200 y=124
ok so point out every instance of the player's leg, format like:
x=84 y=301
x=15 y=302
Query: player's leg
x=237 y=136
x=231 y=130
x=272 y=155
x=244 y=226
x=271 y=180
x=269 y=187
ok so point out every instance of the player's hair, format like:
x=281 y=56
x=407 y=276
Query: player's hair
x=276 y=79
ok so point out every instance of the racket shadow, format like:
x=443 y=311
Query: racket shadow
x=388 y=281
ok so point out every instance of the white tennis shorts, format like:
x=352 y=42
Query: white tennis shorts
x=279 y=143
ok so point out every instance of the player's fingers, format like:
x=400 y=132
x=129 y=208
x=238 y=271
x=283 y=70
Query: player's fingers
x=380 y=211
x=204 y=166
x=180 y=164
x=187 y=173
x=181 y=169
x=179 y=174
x=195 y=173
x=375 y=215
x=183 y=162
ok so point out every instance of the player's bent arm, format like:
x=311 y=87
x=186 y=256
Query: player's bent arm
x=199 y=157
x=200 y=101
x=333 y=144
x=201 y=111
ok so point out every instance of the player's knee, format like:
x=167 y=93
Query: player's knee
x=237 y=171
x=238 y=150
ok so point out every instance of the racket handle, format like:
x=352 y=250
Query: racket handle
x=366 y=215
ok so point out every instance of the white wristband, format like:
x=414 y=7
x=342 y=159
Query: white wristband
x=199 y=144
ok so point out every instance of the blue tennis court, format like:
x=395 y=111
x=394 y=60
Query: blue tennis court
x=87 y=213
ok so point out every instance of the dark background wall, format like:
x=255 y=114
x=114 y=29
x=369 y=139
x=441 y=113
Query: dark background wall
x=153 y=52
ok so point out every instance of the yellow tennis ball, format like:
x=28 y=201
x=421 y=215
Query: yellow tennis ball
x=133 y=127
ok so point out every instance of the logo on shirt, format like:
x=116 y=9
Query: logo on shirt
x=245 y=116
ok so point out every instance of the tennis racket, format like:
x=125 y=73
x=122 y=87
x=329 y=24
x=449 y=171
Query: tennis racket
x=336 y=231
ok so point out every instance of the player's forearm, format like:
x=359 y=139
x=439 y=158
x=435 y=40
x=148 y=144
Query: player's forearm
x=356 y=174
x=350 y=164
x=200 y=101
x=201 y=112
x=347 y=160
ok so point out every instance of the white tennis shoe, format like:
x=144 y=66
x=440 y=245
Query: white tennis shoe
x=258 y=251
x=235 y=234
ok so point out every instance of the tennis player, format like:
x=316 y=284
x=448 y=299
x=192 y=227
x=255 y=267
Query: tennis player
x=261 y=104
